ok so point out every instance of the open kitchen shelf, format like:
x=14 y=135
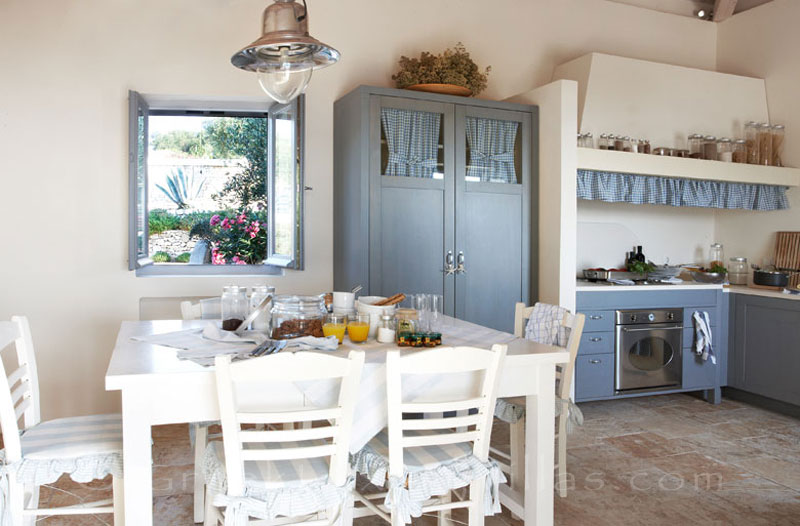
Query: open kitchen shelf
x=682 y=168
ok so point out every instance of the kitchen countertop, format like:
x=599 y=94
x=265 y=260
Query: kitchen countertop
x=743 y=289
x=588 y=286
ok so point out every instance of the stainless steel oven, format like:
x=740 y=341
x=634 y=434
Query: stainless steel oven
x=648 y=349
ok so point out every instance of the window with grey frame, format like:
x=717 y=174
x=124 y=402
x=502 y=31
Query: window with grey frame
x=216 y=186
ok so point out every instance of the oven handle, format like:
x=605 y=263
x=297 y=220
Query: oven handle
x=625 y=329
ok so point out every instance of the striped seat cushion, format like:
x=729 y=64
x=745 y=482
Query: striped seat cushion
x=73 y=437
x=270 y=474
x=421 y=458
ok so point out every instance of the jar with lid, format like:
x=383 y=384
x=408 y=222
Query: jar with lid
x=612 y=140
x=710 y=148
x=386 y=329
x=778 y=132
x=764 y=142
x=602 y=143
x=740 y=151
x=716 y=256
x=296 y=316
x=259 y=293
x=725 y=150
x=588 y=140
x=234 y=308
x=619 y=143
x=634 y=145
x=751 y=138
x=696 y=146
x=645 y=146
x=626 y=144
x=738 y=271
x=580 y=140
x=406 y=322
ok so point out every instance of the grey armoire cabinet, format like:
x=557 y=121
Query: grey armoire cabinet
x=434 y=193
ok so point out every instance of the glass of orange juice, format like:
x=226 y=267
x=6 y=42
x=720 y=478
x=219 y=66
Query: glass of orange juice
x=335 y=325
x=358 y=328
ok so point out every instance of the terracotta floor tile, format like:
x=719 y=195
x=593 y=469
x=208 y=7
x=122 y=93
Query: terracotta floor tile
x=786 y=473
x=647 y=445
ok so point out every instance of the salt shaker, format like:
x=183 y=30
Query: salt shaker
x=386 y=329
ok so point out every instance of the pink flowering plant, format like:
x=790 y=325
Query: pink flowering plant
x=237 y=237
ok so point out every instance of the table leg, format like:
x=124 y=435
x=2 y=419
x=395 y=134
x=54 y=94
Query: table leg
x=137 y=461
x=539 y=450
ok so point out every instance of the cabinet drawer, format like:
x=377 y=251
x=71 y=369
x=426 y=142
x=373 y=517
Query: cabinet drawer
x=594 y=376
x=688 y=311
x=598 y=320
x=596 y=343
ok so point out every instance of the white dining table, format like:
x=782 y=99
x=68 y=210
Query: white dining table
x=159 y=388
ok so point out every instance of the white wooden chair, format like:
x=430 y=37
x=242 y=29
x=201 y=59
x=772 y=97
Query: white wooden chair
x=423 y=460
x=37 y=453
x=302 y=474
x=514 y=411
x=205 y=309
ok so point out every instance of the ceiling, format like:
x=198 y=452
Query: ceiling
x=689 y=7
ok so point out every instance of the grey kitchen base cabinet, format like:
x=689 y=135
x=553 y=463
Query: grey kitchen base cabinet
x=596 y=362
x=765 y=357
x=435 y=194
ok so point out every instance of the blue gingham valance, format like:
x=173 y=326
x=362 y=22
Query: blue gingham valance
x=653 y=190
x=412 y=138
x=491 y=149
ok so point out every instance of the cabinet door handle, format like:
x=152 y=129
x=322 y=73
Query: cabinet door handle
x=596 y=339
x=596 y=317
x=595 y=361
x=460 y=269
x=449 y=269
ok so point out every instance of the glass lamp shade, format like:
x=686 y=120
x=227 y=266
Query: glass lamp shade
x=285 y=55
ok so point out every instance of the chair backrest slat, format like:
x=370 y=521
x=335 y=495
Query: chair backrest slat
x=19 y=391
x=448 y=361
x=575 y=323
x=324 y=441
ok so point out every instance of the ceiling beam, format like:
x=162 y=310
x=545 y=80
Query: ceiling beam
x=723 y=9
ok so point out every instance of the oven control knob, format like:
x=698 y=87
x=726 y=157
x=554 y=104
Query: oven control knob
x=651 y=317
x=633 y=317
x=671 y=316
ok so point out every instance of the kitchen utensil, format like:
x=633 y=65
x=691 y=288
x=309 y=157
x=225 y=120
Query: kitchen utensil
x=391 y=300
x=708 y=277
x=356 y=289
x=770 y=278
x=255 y=314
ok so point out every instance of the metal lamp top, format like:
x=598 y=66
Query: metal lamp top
x=285 y=26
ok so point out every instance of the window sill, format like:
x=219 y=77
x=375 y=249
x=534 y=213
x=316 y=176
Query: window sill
x=208 y=270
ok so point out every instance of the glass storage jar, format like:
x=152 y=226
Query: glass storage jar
x=233 y=305
x=777 y=144
x=725 y=150
x=588 y=140
x=764 y=142
x=261 y=323
x=296 y=316
x=386 y=329
x=716 y=256
x=710 y=148
x=603 y=142
x=751 y=138
x=646 y=146
x=696 y=146
x=740 y=151
x=737 y=271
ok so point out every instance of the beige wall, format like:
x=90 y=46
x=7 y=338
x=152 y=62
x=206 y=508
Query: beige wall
x=65 y=68
x=764 y=42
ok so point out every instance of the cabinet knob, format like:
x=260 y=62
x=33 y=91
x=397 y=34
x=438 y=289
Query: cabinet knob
x=596 y=317
x=596 y=339
x=595 y=361
x=449 y=268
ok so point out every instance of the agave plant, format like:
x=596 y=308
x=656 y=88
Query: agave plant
x=182 y=189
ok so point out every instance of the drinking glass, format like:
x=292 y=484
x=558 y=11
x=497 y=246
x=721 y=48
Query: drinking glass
x=335 y=325
x=422 y=306
x=436 y=312
x=358 y=328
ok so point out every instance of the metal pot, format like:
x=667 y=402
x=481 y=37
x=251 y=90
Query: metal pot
x=770 y=278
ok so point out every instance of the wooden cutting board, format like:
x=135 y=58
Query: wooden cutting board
x=787 y=255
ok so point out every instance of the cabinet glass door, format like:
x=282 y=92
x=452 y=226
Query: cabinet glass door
x=412 y=204
x=412 y=143
x=493 y=233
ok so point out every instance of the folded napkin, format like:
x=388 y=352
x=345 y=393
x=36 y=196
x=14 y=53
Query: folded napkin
x=621 y=281
x=329 y=343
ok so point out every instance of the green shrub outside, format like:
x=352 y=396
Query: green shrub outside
x=161 y=220
x=161 y=257
x=183 y=258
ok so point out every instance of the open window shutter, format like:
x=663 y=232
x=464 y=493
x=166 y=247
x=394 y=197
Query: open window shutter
x=285 y=186
x=137 y=172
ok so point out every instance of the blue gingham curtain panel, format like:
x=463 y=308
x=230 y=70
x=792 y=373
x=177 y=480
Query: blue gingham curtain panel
x=412 y=138
x=652 y=190
x=491 y=150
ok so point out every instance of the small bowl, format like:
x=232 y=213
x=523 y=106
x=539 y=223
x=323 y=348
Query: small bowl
x=709 y=277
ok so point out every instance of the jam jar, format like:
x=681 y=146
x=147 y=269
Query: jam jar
x=297 y=316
